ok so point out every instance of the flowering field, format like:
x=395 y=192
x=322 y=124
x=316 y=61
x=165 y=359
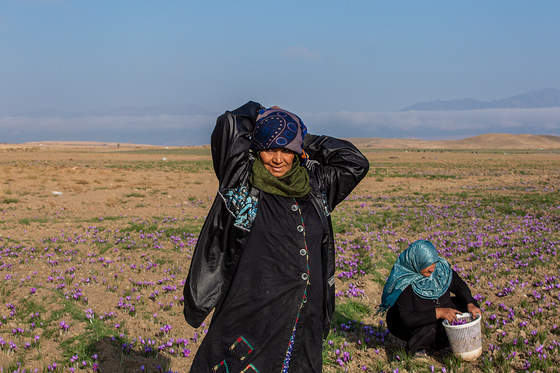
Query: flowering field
x=91 y=277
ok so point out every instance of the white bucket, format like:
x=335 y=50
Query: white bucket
x=465 y=339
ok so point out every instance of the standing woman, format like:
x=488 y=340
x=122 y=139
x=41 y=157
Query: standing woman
x=265 y=256
x=418 y=297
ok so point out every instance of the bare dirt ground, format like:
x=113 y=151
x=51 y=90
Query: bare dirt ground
x=110 y=228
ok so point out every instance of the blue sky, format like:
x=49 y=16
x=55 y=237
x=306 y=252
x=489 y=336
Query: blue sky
x=310 y=57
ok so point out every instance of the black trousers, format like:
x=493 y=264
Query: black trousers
x=431 y=336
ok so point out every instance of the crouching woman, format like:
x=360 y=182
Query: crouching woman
x=417 y=298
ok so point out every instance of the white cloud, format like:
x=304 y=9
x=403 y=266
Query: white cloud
x=301 y=53
x=196 y=129
x=434 y=123
x=144 y=123
x=157 y=130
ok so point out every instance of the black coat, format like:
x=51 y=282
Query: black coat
x=335 y=168
x=410 y=313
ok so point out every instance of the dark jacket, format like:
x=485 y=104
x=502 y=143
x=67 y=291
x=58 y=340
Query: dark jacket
x=411 y=312
x=335 y=168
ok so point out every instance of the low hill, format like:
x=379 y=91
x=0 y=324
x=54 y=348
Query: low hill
x=487 y=141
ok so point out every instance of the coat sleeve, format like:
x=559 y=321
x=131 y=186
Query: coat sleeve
x=343 y=166
x=217 y=249
x=230 y=141
x=461 y=290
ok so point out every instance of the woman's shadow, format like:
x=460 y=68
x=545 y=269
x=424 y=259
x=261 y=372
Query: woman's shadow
x=114 y=357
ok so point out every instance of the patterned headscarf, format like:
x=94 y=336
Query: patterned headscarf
x=277 y=128
x=406 y=271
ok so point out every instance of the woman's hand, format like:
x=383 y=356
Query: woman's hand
x=473 y=310
x=447 y=313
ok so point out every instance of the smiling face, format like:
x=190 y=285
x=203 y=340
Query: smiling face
x=277 y=161
x=427 y=272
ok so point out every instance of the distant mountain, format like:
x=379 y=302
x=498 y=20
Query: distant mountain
x=536 y=99
x=128 y=111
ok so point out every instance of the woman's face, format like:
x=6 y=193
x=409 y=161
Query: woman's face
x=427 y=272
x=277 y=161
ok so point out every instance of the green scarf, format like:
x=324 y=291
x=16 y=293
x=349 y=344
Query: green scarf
x=294 y=183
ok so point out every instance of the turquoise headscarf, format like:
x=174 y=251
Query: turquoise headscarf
x=406 y=271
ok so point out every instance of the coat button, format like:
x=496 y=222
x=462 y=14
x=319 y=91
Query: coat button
x=304 y=276
x=294 y=207
x=300 y=228
x=303 y=252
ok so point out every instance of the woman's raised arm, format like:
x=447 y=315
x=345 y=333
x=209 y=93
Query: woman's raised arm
x=343 y=165
x=230 y=140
